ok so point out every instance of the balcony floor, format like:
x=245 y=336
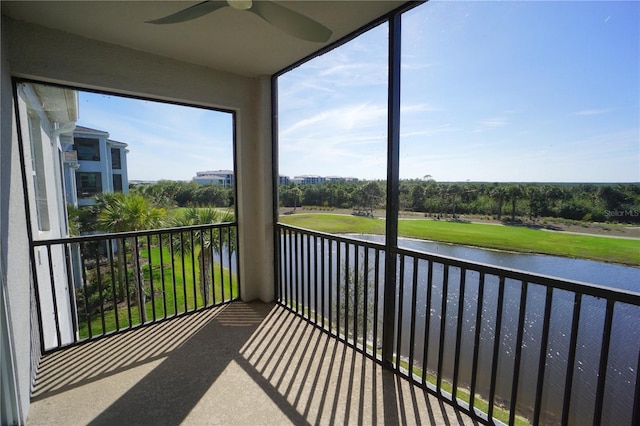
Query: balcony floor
x=243 y=363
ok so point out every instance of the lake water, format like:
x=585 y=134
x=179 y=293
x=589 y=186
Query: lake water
x=624 y=346
x=599 y=273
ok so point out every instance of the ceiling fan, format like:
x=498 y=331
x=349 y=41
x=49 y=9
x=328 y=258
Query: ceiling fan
x=285 y=19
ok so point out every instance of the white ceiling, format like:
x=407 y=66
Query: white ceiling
x=228 y=40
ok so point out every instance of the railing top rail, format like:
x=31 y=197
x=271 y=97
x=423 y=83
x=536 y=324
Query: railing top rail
x=364 y=243
x=618 y=295
x=130 y=234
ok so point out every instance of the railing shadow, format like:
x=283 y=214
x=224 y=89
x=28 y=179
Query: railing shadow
x=240 y=363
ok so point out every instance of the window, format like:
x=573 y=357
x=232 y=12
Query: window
x=117 y=183
x=89 y=184
x=88 y=149
x=37 y=168
x=115 y=159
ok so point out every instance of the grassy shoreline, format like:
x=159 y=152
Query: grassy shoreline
x=508 y=238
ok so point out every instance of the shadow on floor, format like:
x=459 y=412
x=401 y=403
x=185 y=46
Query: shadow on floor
x=243 y=363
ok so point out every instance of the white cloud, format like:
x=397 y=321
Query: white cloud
x=490 y=124
x=591 y=112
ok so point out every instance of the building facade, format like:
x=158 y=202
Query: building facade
x=50 y=114
x=217 y=177
x=94 y=164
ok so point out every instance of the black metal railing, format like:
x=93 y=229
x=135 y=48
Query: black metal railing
x=499 y=344
x=92 y=286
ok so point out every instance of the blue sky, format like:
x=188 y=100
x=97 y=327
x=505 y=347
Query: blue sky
x=492 y=91
x=165 y=141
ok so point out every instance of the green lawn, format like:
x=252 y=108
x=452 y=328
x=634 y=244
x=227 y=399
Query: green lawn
x=182 y=298
x=513 y=238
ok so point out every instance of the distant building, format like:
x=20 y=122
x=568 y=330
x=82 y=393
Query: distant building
x=308 y=179
x=315 y=179
x=226 y=178
x=340 y=179
x=284 y=180
x=93 y=164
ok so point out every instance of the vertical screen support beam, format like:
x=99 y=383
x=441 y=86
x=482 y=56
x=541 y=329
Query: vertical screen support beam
x=393 y=190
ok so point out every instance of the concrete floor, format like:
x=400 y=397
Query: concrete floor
x=244 y=363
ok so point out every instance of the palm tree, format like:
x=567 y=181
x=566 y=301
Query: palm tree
x=207 y=241
x=499 y=194
x=513 y=192
x=129 y=212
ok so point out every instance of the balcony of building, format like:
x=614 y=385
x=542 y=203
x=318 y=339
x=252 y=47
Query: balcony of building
x=447 y=342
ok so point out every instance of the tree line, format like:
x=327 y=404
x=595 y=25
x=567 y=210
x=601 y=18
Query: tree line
x=590 y=202
x=503 y=201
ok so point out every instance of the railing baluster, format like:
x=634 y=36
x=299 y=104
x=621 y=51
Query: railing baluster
x=543 y=355
x=310 y=286
x=222 y=280
x=443 y=325
x=184 y=275
x=113 y=282
x=518 y=352
x=365 y=310
x=152 y=290
x=99 y=284
x=232 y=295
x=476 y=343
x=339 y=245
x=296 y=274
x=173 y=274
x=142 y=308
x=376 y=307
x=86 y=297
x=162 y=279
x=126 y=281
x=289 y=301
x=286 y=263
x=54 y=297
x=456 y=361
x=604 y=359
x=571 y=360
x=414 y=300
x=399 y=313
x=213 y=266
x=356 y=289
x=347 y=293
x=304 y=267
x=496 y=347
x=330 y=301
x=204 y=288
x=322 y=281
x=427 y=323
x=193 y=270
x=316 y=272
x=72 y=293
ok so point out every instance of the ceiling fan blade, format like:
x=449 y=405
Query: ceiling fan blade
x=190 y=13
x=292 y=23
